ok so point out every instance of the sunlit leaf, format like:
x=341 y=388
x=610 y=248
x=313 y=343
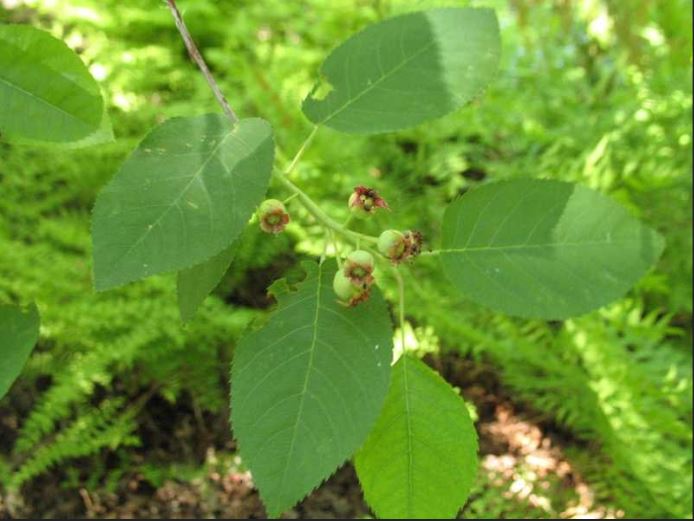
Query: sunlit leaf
x=545 y=249
x=406 y=70
x=307 y=387
x=420 y=459
x=19 y=331
x=181 y=197
x=46 y=92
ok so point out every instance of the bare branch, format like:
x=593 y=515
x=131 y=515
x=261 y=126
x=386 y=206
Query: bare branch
x=197 y=58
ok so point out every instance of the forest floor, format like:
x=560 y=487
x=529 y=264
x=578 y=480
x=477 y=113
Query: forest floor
x=522 y=459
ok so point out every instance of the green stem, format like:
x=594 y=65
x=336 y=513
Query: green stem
x=320 y=215
x=338 y=252
x=301 y=151
x=293 y=196
x=326 y=234
x=401 y=305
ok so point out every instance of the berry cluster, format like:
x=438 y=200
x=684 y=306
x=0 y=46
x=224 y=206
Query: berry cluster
x=353 y=281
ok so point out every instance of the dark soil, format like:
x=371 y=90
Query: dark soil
x=513 y=446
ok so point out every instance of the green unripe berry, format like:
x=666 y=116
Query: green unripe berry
x=269 y=205
x=362 y=258
x=392 y=244
x=272 y=216
x=347 y=292
x=359 y=267
x=343 y=287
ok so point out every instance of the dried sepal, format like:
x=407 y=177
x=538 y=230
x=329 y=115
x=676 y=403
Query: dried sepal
x=364 y=201
x=359 y=267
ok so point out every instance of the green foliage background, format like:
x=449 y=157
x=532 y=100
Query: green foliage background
x=596 y=92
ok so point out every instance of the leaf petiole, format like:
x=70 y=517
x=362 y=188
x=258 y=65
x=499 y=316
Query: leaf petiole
x=304 y=146
x=401 y=306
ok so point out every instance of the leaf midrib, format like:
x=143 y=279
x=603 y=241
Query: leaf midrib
x=408 y=422
x=47 y=102
x=61 y=74
x=303 y=394
x=517 y=247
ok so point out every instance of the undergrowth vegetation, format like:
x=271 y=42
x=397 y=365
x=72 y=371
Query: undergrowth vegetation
x=587 y=92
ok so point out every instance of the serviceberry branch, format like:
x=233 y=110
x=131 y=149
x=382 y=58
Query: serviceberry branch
x=305 y=200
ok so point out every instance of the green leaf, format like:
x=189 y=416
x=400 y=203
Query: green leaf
x=194 y=284
x=420 y=459
x=19 y=331
x=181 y=197
x=545 y=249
x=104 y=134
x=406 y=70
x=307 y=387
x=46 y=92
